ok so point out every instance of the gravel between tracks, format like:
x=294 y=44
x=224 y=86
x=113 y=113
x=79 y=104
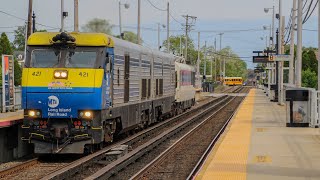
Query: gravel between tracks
x=181 y=162
x=46 y=165
x=185 y=156
x=95 y=167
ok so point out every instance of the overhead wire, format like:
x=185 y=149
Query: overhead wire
x=3 y=12
x=156 y=6
x=306 y=18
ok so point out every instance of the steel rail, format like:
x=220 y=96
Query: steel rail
x=163 y=155
x=81 y=164
x=122 y=162
x=11 y=170
x=205 y=155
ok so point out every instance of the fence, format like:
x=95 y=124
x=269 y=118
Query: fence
x=18 y=94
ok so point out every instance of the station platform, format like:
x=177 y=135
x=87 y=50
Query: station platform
x=10 y=118
x=258 y=145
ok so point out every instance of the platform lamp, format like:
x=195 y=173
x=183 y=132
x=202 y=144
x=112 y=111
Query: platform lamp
x=127 y=6
x=163 y=26
x=266 y=10
x=265 y=27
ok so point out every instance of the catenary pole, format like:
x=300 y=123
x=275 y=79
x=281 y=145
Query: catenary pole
x=138 y=33
x=29 y=19
x=76 y=16
x=299 y=44
x=291 y=62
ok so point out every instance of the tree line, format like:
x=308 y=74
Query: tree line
x=309 y=72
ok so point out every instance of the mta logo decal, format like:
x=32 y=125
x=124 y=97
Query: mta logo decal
x=53 y=101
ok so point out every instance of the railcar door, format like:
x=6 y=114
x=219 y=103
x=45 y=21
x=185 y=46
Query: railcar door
x=126 y=78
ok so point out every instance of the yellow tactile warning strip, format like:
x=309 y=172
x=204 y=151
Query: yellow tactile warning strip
x=229 y=158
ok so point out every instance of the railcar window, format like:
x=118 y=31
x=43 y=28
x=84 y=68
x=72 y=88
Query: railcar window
x=81 y=59
x=160 y=86
x=176 y=80
x=41 y=58
x=49 y=58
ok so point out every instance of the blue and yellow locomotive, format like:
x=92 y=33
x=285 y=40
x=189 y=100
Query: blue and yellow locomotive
x=80 y=89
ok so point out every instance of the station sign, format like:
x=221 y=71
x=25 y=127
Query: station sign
x=8 y=95
x=261 y=59
x=280 y=57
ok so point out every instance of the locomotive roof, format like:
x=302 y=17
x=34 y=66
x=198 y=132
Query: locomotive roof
x=82 y=39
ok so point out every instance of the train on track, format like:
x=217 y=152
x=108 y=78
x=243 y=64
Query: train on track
x=233 y=81
x=80 y=90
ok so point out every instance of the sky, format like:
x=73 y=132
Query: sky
x=213 y=17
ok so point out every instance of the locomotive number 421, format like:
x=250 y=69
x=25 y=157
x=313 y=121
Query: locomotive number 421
x=84 y=74
x=36 y=73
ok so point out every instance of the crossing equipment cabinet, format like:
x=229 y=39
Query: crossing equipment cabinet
x=301 y=107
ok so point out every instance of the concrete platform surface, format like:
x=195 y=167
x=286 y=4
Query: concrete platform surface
x=258 y=145
x=10 y=118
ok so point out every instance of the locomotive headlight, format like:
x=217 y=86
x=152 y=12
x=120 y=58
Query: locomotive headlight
x=88 y=114
x=32 y=113
x=57 y=74
x=64 y=74
x=60 y=74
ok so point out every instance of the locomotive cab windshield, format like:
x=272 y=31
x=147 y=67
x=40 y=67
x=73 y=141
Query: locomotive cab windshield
x=79 y=57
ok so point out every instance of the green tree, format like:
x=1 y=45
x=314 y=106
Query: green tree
x=6 y=48
x=19 y=38
x=309 y=79
x=98 y=26
x=175 y=48
x=17 y=73
x=18 y=43
x=235 y=67
x=130 y=36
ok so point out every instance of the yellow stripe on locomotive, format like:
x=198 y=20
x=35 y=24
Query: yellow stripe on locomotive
x=45 y=77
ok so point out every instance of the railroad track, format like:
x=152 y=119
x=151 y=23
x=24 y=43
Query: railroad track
x=96 y=166
x=182 y=157
x=91 y=164
x=94 y=162
x=36 y=168
x=16 y=168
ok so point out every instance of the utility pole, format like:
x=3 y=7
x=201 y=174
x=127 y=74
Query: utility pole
x=33 y=23
x=279 y=52
x=318 y=58
x=29 y=19
x=215 y=59
x=188 y=26
x=76 y=16
x=186 y=40
x=205 y=59
x=180 y=45
x=299 y=45
x=120 y=21
x=291 y=62
x=273 y=73
x=168 y=28
x=62 y=15
x=220 y=72
x=198 y=64
x=138 y=33
x=158 y=36
x=281 y=95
